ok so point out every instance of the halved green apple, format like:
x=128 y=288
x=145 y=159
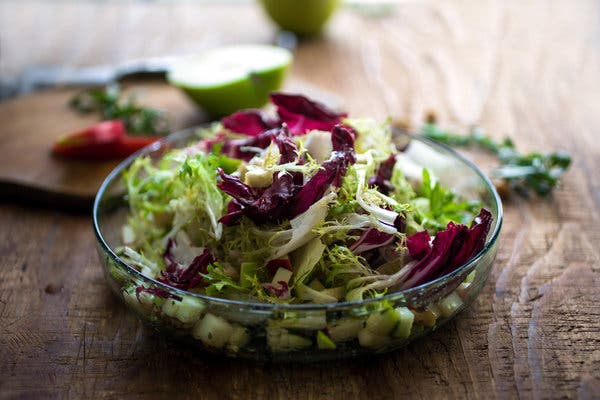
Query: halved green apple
x=231 y=78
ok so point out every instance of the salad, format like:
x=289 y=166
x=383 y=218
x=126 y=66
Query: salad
x=305 y=206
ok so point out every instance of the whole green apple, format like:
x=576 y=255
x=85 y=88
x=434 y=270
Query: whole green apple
x=303 y=17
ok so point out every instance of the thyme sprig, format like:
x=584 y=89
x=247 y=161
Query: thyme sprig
x=536 y=171
x=109 y=103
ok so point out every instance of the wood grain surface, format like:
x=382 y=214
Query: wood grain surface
x=528 y=69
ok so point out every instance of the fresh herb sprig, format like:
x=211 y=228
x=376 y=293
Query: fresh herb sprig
x=535 y=171
x=107 y=101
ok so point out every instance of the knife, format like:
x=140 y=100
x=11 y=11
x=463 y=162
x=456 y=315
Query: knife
x=39 y=77
x=46 y=76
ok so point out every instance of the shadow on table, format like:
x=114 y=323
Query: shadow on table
x=173 y=368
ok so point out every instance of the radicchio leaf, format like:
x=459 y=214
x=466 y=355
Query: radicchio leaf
x=472 y=241
x=383 y=176
x=286 y=197
x=272 y=203
x=288 y=149
x=371 y=239
x=429 y=266
x=249 y=122
x=400 y=223
x=206 y=145
x=342 y=139
x=302 y=114
x=261 y=207
x=244 y=194
x=234 y=214
x=331 y=172
x=234 y=148
x=450 y=249
x=280 y=290
x=184 y=277
x=418 y=244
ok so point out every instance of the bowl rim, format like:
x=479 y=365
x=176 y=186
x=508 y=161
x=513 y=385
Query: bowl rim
x=258 y=306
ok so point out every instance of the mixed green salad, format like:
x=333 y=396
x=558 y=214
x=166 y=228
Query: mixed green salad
x=308 y=206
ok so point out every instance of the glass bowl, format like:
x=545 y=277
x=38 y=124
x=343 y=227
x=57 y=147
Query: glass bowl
x=300 y=332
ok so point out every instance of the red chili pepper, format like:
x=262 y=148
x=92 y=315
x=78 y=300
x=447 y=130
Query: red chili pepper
x=103 y=141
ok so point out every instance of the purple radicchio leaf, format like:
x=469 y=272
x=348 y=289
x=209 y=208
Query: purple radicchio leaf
x=371 y=239
x=288 y=153
x=428 y=267
x=234 y=213
x=244 y=195
x=331 y=172
x=272 y=203
x=281 y=289
x=286 y=197
x=234 y=148
x=418 y=244
x=184 y=277
x=450 y=249
x=302 y=114
x=383 y=176
x=288 y=149
x=472 y=241
x=400 y=223
x=206 y=145
x=268 y=205
x=263 y=205
x=249 y=122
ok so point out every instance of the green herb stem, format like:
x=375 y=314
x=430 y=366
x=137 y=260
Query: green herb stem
x=108 y=103
x=540 y=172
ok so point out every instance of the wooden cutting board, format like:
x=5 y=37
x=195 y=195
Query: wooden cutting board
x=30 y=124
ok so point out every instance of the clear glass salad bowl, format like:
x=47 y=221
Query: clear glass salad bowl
x=299 y=332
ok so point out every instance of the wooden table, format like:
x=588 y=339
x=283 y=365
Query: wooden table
x=526 y=69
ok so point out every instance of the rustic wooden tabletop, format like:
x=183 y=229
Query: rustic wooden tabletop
x=524 y=69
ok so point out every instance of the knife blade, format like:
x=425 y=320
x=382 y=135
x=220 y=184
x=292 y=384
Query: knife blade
x=39 y=77
x=46 y=76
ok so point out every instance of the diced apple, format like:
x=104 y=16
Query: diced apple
x=282 y=274
x=405 y=323
x=280 y=340
x=213 y=331
x=258 y=177
x=143 y=302
x=316 y=284
x=318 y=144
x=463 y=289
x=345 y=329
x=239 y=338
x=309 y=321
x=450 y=304
x=382 y=322
x=324 y=342
x=188 y=310
x=369 y=339
x=428 y=317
